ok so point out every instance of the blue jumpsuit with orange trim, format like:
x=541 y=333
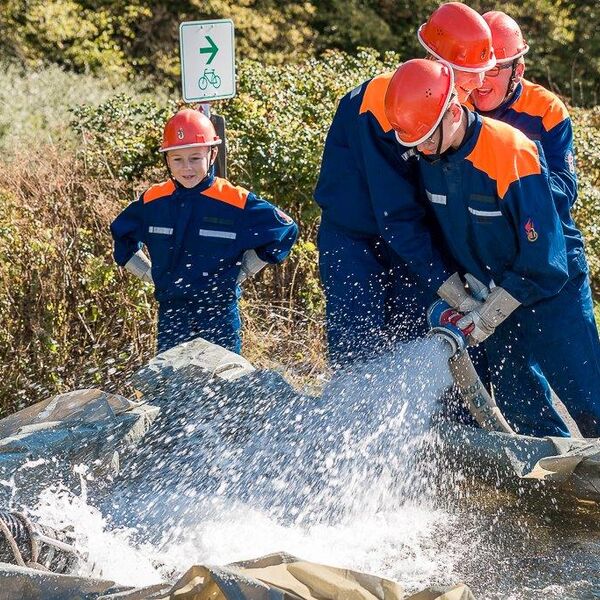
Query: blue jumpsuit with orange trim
x=543 y=117
x=378 y=259
x=196 y=238
x=493 y=200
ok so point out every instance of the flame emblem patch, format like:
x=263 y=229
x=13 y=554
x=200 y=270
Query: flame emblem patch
x=530 y=231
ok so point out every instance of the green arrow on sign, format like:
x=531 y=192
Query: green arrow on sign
x=212 y=49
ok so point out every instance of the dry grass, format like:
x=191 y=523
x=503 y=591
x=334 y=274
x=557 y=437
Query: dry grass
x=70 y=318
x=284 y=339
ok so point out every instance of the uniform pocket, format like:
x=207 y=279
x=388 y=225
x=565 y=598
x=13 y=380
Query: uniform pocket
x=485 y=210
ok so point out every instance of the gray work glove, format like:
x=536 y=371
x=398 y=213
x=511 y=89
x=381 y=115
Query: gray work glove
x=140 y=266
x=482 y=322
x=454 y=293
x=251 y=265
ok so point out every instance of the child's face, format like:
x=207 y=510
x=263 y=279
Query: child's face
x=189 y=166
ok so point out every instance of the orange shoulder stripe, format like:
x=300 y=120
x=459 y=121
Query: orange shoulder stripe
x=226 y=192
x=505 y=154
x=374 y=99
x=537 y=101
x=160 y=190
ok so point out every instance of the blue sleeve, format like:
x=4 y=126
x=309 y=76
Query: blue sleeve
x=267 y=230
x=127 y=231
x=540 y=268
x=402 y=217
x=341 y=191
x=558 y=149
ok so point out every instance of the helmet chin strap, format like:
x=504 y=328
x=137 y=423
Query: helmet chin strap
x=435 y=156
x=512 y=82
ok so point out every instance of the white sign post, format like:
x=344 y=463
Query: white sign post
x=207 y=60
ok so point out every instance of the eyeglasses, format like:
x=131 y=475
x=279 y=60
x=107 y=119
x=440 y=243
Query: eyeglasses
x=495 y=71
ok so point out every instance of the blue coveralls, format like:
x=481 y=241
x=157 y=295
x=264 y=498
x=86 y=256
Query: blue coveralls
x=494 y=202
x=196 y=238
x=542 y=116
x=378 y=263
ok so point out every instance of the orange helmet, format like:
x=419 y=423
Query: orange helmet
x=458 y=35
x=187 y=129
x=417 y=97
x=506 y=36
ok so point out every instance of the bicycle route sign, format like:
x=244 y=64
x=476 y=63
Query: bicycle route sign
x=207 y=53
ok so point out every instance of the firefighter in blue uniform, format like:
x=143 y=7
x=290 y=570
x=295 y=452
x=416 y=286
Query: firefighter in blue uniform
x=378 y=257
x=537 y=112
x=506 y=96
x=204 y=237
x=489 y=187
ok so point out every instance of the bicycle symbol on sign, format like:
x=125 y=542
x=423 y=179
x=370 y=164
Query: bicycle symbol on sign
x=209 y=77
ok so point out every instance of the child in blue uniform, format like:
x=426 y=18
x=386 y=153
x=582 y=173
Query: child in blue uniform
x=204 y=236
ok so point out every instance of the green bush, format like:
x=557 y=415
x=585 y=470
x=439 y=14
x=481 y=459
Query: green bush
x=276 y=127
x=69 y=317
x=120 y=138
x=36 y=104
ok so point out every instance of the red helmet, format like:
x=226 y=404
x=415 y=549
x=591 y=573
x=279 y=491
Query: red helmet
x=417 y=97
x=187 y=129
x=506 y=36
x=458 y=35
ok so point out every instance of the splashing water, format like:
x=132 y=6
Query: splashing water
x=234 y=472
x=343 y=479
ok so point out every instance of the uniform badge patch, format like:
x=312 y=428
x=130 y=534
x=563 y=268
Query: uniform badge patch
x=571 y=162
x=530 y=231
x=281 y=216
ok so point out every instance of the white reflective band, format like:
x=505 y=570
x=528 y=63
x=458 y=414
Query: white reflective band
x=356 y=91
x=228 y=235
x=436 y=198
x=161 y=230
x=485 y=213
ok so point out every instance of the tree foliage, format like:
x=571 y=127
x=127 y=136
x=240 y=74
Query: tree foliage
x=126 y=38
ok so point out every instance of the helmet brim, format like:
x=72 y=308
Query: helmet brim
x=503 y=61
x=480 y=69
x=195 y=145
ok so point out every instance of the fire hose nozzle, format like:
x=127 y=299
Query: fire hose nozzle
x=442 y=319
x=455 y=339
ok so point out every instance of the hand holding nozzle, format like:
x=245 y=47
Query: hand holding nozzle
x=454 y=292
x=482 y=321
x=444 y=322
